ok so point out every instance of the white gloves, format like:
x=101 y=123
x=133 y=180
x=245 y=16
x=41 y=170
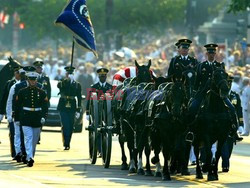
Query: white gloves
x=17 y=123
x=42 y=121
x=9 y=118
x=87 y=117
x=77 y=115
x=71 y=77
x=1 y=117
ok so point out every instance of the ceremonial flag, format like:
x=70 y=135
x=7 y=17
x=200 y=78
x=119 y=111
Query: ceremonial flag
x=75 y=17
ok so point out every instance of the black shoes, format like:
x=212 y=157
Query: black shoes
x=66 y=148
x=225 y=169
x=30 y=163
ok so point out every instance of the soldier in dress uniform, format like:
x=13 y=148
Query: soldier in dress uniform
x=3 y=103
x=100 y=88
x=69 y=110
x=42 y=79
x=11 y=114
x=228 y=145
x=183 y=59
x=31 y=110
x=202 y=85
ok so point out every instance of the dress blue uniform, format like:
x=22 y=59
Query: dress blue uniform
x=69 y=90
x=100 y=88
x=31 y=111
x=184 y=61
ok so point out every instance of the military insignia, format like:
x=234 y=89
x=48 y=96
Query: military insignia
x=234 y=101
x=203 y=69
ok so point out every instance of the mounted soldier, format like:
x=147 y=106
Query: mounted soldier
x=202 y=85
x=183 y=59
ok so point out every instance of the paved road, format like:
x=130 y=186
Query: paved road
x=55 y=167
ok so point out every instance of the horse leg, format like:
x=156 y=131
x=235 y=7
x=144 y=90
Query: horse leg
x=148 y=167
x=198 y=168
x=165 y=172
x=210 y=175
x=140 y=170
x=217 y=157
x=132 y=167
x=124 y=165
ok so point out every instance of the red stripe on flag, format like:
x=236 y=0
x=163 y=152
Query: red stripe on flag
x=127 y=73
x=118 y=77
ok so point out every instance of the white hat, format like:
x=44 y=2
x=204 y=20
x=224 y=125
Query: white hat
x=32 y=74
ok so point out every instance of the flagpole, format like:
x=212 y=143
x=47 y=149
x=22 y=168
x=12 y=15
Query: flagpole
x=72 y=53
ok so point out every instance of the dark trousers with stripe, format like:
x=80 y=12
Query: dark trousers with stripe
x=67 y=121
x=11 y=136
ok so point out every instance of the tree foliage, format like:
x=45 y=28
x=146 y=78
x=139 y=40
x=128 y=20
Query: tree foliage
x=239 y=5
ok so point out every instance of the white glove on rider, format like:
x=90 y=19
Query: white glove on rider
x=71 y=77
x=42 y=121
x=87 y=117
x=77 y=115
x=17 y=123
x=10 y=119
x=1 y=117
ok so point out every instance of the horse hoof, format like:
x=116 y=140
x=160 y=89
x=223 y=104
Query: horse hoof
x=132 y=170
x=166 y=178
x=199 y=176
x=154 y=160
x=140 y=171
x=124 y=166
x=211 y=177
x=157 y=174
x=148 y=173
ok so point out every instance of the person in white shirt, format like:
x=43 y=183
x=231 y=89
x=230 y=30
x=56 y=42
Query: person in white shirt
x=245 y=100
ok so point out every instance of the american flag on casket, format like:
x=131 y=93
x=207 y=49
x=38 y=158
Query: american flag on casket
x=127 y=72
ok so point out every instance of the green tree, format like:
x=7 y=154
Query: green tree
x=239 y=5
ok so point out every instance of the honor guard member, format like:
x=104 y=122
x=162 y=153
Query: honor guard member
x=31 y=110
x=10 y=112
x=183 y=59
x=42 y=78
x=202 y=85
x=3 y=104
x=228 y=145
x=69 y=110
x=100 y=87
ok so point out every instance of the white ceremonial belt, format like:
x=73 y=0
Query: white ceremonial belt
x=32 y=109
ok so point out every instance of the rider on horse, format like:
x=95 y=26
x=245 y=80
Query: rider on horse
x=202 y=85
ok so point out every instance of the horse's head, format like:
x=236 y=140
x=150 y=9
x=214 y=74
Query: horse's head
x=158 y=81
x=189 y=76
x=176 y=98
x=143 y=74
x=220 y=82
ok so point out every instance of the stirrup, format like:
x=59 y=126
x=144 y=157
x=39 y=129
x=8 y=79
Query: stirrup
x=189 y=137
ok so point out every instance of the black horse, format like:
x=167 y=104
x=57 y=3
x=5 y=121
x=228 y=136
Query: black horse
x=7 y=73
x=130 y=121
x=213 y=124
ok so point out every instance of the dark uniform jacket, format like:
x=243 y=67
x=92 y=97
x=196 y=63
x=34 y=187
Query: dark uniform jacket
x=99 y=90
x=190 y=61
x=235 y=100
x=204 y=74
x=5 y=95
x=68 y=91
x=44 y=80
x=18 y=87
x=31 y=106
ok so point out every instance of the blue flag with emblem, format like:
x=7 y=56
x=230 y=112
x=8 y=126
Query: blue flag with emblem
x=75 y=17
